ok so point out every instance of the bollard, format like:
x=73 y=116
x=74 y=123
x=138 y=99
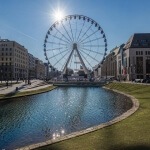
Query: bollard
x=16 y=88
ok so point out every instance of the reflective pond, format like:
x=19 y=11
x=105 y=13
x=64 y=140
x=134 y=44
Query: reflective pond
x=33 y=119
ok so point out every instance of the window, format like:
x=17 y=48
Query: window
x=10 y=49
x=136 y=44
x=2 y=54
x=6 y=59
x=6 y=49
x=2 y=49
x=6 y=54
x=144 y=44
x=143 y=41
x=10 y=54
x=9 y=58
x=145 y=52
x=6 y=64
x=2 y=58
x=141 y=52
x=148 y=52
x=136 y=52
x=10 y=64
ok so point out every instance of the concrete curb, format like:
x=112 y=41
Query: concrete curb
x=91 y=129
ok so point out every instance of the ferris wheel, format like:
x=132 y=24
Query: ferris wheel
x=76 y=43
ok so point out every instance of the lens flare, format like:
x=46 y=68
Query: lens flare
x=58 y=15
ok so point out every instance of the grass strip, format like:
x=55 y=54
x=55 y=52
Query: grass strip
x=20 y=94
x=133 y=133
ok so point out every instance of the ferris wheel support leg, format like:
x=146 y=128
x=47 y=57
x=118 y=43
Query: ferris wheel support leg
x=82 y=62
x=66 y=65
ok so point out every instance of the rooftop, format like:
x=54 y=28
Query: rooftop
x=138 y=40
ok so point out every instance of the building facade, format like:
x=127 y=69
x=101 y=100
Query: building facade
x=40 y=69
x=109 y=67
x=31 y=64
x=129 y=61
x=47 y=71
x=13 y=60
x=133 y=61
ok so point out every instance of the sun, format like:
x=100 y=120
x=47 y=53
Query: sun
x=58 y=15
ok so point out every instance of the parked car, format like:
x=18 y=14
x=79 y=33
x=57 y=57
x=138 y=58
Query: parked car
x=137 y=80
x=147 y=80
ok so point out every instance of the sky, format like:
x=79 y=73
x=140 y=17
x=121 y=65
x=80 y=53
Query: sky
x=27 y=21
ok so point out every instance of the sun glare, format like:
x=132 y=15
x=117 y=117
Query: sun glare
x=58 y=15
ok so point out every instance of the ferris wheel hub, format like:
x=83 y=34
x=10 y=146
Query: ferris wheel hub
x=74 y=46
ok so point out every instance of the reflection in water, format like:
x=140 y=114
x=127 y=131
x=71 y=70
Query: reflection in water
x=37 y=118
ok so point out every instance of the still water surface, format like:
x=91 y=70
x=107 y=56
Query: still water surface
x=37 y=118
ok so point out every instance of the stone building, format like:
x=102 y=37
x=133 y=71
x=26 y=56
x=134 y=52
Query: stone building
x=133 y=61
x=40 y=69
x=130 y=61
x=47 y=71
x=31 y=64
x=109 y=67
x=13 y=60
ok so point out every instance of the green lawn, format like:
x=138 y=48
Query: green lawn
x=133 y=133
x=19 y=94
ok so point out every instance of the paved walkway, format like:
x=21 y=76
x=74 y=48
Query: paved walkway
x=22 y=87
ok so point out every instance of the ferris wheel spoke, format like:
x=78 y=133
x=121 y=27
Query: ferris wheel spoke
x=58 y=54
x=89 y=56
x=85 y=32
x=59 y=38
x=66 y=32
x=60 y=59
x=93 y=51
x=56 y=43
x=71 y=31
x=94 y=45
x=92 y=40
x=56 y=49
x=81 y=30
x=85 y=59
x=89 y=36
x=76 y=32
x=63 y=35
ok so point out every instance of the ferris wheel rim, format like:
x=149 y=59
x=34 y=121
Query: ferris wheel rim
x=75 y=16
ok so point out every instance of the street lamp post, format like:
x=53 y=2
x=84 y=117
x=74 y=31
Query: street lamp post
x=106 y=69
x=7 y=80
x=1 y=75
x=29 y=77
x=17 y=75
x=131 y=73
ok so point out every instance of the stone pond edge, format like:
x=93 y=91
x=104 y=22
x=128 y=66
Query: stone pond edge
x=91 y=129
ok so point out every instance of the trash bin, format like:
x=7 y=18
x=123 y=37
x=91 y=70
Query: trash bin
x=16 y=88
